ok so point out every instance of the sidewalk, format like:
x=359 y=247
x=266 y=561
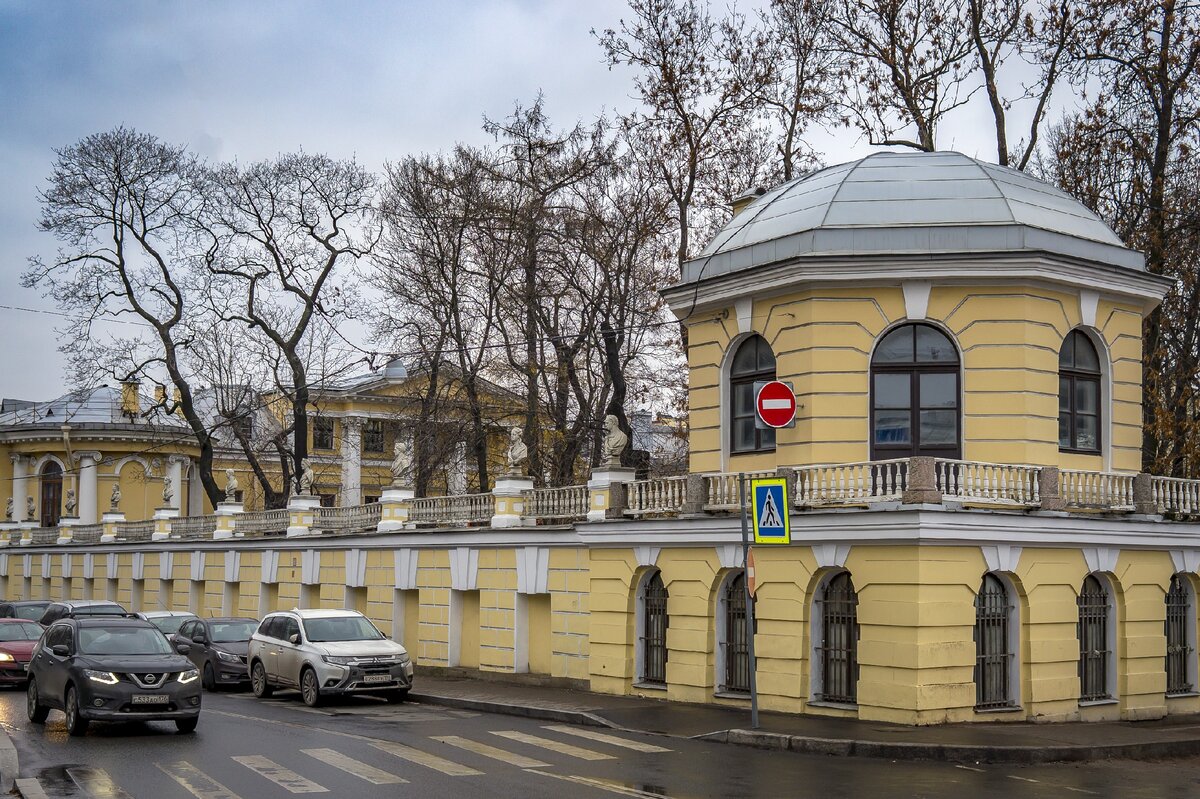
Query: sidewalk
x=985 y=743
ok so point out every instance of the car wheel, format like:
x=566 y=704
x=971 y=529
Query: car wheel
x=76 y=724
x=37 y=711
x=258 y=681
x=396 y=697
x=187 y=725
x=310 y=689
x=209 y=681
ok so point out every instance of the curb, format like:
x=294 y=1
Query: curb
x=954 y=753
x=10 y=765
x=525 y=711
x=30 y=789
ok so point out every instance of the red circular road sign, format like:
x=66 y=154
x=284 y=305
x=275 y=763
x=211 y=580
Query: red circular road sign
x=776 y=404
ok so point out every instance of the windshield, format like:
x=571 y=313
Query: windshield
x=230 y=631
x=342 y=628
x=170 y=624
x=99 y=610
x=122 y=641
x=20 y=631
x=31 y=612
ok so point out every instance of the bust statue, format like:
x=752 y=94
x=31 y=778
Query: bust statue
x=114 y=499
x=518 y=453
x=168 y=492
x=401 y=466
x=615 y=441
x=70 y=504
x=307 y=478
x=231 y=485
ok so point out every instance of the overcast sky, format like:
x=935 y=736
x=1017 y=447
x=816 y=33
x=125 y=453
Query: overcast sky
x=247 y=80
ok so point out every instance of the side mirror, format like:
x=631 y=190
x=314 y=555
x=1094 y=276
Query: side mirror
x=199 y=638
x=294 y=638
x=182 y=649
x=62 y=650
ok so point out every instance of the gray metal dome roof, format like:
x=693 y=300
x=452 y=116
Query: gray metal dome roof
x=910 y=203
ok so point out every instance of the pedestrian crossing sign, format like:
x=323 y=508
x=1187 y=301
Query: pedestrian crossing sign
x=770 y=511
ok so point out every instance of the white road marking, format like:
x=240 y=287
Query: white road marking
x=375 y=776
x=1022 y=779
x=605 y=738
x=30 y=788
x=196 y=782
x=553 y=746
x=425 y=759
x=1080 y=790
x=968 y=768
x=284 y=778
x=96 y=782
x=603 y=785
x=503 y=755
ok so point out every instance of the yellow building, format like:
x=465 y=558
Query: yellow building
x=971 y=538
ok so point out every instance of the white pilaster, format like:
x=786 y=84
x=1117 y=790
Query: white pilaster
x=176 y=465
x=19 y=491
x=88 y=501
x=456 y=475
x=351 y=461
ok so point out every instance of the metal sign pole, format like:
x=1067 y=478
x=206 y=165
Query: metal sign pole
x=749 y=603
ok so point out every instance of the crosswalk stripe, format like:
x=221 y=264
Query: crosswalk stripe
x=30 y=788
x=434 y=762
x=95 y=782
x=195 y=781
x=375 y=776
x=603 y=785
x=604 y=738
x=284 y=778
x=554 y=746
x=503 y=755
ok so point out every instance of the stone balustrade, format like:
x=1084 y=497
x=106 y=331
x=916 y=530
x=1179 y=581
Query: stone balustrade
x=1096 y=490
x=135 y=531
x=191 y=527
x=570 y=503
x=355 y=518
x=1176 y=496
x=461 y=509
x=851 y=483
x=86 y=533
x=988 y=483
x=258 y=523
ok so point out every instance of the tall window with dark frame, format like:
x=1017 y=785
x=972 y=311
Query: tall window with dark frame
x=994 y=658
x=1078 y=395
x=838 y=649
x=914 y=395
x=737 y=650
x=1179 y=647
x=51 y=494
x=1094 y=643
x=654 y=629
x=372 y=436
x=322 y=433
x=753 y=362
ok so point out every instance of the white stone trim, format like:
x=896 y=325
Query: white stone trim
x=916 y=299
x=1101 y=559
x=66 y=562
x=233 y=565
x=270 y=566
x=1088 y=301
x=1001 y=558
x=405 y=566
x=533 y=573
x=730 y=556
x=831 y=556
x=356 y=568
x=47 y=565
x=464 y=569
x=1186 y=560
x=743 y=309
x=196 y=567
x=310 y=567
x=139 y=566
x=647 y=556
x=166 y=565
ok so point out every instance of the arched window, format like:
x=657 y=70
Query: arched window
x=994 y=656
x=1181 y=637
x=734 y=643
x=1078 y=394
x=653 y=623
x=753 y=362
x=914 y=395
x=837 y=647
x=51 y=493
x=1095 y=643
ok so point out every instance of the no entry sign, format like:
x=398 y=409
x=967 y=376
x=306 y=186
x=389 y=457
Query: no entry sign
x=775 y=403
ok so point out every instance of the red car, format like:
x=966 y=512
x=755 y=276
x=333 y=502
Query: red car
x=17 y=639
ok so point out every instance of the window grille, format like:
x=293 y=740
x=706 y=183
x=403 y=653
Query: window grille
x=372 y=436
x=1094 y=646
x=654 y=630
x=839 y=641
x=1179 y=650
x=994 y=659
x=737 y=650
x=323 y=433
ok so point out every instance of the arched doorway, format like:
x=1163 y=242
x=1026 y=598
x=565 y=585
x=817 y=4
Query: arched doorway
x=51 y=494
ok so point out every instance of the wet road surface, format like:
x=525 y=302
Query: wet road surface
x=254 y=749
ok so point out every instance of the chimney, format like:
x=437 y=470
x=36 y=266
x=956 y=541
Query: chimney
x=131 y=401
x=176 y=396
x=160 y=395
x=739 y=203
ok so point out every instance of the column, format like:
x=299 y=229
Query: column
x=87 y=487
x=351 y=461
x=456 y=475
x=19 y=490
x=176 y=464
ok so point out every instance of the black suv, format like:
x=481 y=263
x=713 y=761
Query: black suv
x=31 y=609
x=80 y=607
x=111 y=669
x=218 y=648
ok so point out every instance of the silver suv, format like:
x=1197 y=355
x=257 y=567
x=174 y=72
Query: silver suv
x=326 y=652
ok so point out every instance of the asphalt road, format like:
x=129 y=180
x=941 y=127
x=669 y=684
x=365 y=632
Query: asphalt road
x=251 y=749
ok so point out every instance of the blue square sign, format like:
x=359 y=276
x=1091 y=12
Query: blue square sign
x=769 y=505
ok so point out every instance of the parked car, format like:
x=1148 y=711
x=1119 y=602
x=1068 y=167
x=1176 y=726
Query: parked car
x=218 y=647
x=325 y=652
x=31 y=609
x=80 y=607
x=97 y=668
x=167 y=621
x=18 y=637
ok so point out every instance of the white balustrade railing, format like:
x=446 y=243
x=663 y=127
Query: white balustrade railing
x=565 y=503
x=14 y=536
x=990 y=483
x=355 y=518
x=1176 y=495
x=721 y=489
x=662 y=495
x=87 y=533
x=44 y=535
x=260 y=522
x=461 y=509
x=1102 y=490
x=851 y=483
x=193 y=526
x=135 y=531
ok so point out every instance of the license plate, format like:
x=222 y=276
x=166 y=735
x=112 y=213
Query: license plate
x=150 y=699
x=377 y=678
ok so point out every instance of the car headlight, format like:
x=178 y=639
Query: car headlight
x=338 y=660
x=228 y=658
x=191 y=675
x=404 y=659
x=105 y=677
x=5 y=657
